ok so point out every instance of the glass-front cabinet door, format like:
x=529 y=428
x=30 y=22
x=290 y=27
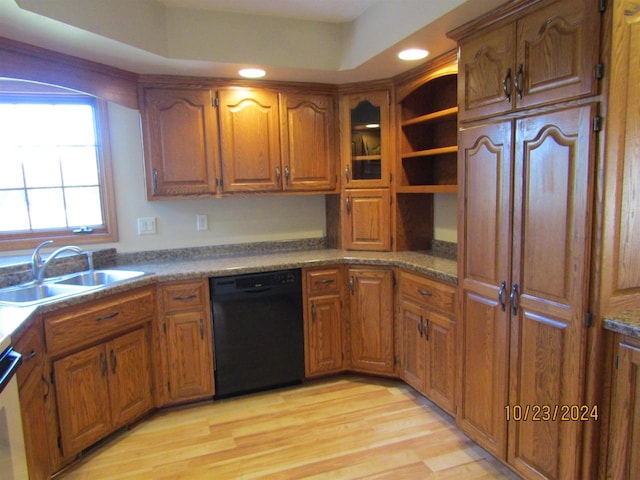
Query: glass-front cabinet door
x=365 y=139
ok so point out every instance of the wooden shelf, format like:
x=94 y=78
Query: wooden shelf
x=360 y=158
x=427 y=189
x=431 y=152
x=440 y=114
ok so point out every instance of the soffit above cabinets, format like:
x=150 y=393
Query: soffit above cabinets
x=343 y=41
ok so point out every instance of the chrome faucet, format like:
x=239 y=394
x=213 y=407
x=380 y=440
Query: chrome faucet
x=39 y=267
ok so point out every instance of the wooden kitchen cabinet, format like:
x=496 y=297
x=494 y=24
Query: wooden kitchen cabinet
x=323 y=321
x=624 y=425
x=180 y=141
x=525 y=291
x=102 y=388
x=366 y=139
x=98 y=361
x=308 y=142
x=371 y=331
x=34 y=391
x=367 y=219
x=548 y=54
x=249 y=140
x=427 y=326
x=187 y=342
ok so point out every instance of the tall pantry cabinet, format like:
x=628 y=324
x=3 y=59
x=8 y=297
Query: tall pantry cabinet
x=526 y=194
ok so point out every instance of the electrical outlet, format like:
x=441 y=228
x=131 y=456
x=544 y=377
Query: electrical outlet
x=146 y=226
x=202 y=222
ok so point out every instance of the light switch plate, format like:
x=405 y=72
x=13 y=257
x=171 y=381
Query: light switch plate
x=202 y=222
x=146 y=225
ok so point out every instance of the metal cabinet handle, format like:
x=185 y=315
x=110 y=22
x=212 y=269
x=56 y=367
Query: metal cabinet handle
x=352 y=285
x=506 y=85
x=114 y=361
x=518 y=82
x=347 y=204
x=424 y=293
x=107 y=317
x=184 y=298
x=286 y=174
x=503 y=287
x=201 y=329
x=346 y=173
x=278 y=175
x=513 y=298
x=103 y=363
x=29 y=356
x=313 y=312
x=426 y=329
x=420 y=326
x=324 y=281
x=155 y=180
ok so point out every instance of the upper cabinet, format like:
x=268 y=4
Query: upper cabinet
x=180 y=142
x=548 y=55
x=308 y=142
x=366 y=125
x=205 y=140
x=428 y=143
x=249 y=140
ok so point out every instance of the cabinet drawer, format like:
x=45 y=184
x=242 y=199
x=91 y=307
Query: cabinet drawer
x=320 y=282
x=92 y=321
x=31 y=346
x=183 y=295
x=428 y=292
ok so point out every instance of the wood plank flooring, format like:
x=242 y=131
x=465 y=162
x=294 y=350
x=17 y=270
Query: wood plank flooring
x=346 y=427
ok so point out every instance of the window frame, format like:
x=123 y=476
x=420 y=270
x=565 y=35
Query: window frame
x=106 y=234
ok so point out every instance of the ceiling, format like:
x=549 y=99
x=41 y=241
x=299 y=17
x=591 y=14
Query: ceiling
x=329 y=41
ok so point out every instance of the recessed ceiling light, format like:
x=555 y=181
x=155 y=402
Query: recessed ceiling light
x=413 y=54
x=252 y=73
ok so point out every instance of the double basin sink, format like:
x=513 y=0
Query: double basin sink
x=67 y=285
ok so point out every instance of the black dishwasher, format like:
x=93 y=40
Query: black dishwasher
x=257 y=331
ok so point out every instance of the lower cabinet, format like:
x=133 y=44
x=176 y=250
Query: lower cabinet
x=323 y=325
x=186 y=342
x=102 y=388
x=34 y=392
x=371 y=338
x=624 y=426
x=427 y=329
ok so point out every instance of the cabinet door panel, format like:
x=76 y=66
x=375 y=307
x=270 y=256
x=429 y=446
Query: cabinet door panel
x=180 y=142
x=368 y=217
x=371 y=326
x=557 y=47
x=308 y=142
x=81 y=382
x=33 y=397
x=553 y=169
x=190 y=358
x=324 y=338
x=130 y=377
x=486 y=161
x=439 y=334
x=486 y=63
x=249 y=140
x=412 y=324
x=623 y=461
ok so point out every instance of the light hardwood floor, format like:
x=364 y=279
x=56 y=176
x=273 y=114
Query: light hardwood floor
x=339 y=428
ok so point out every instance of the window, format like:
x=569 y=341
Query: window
x=54 y=175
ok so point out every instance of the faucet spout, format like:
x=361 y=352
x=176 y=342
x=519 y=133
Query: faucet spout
x=39 y=267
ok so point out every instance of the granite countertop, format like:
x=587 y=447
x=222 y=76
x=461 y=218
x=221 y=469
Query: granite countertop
x=626 y=323
x=167 y=269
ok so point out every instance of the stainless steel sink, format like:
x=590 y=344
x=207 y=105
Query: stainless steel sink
x=54 y=288
x=32 y=294
x=98 y=277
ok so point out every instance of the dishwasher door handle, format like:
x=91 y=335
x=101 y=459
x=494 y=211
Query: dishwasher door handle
x=261 y=290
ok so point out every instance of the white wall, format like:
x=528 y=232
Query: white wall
x=445 y=217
